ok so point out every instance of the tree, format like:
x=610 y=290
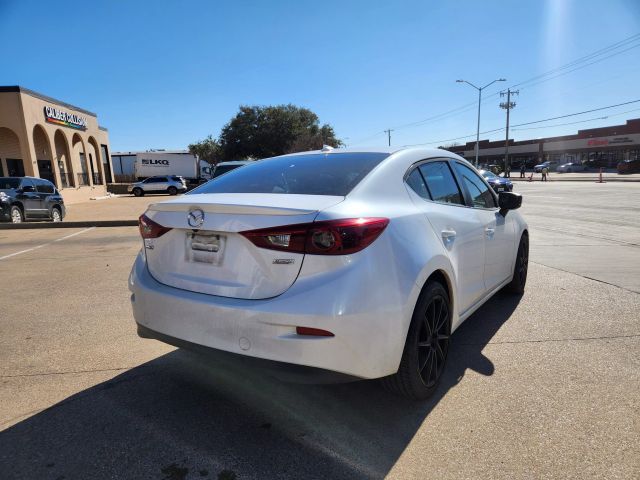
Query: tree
x=261 y=132
x=207 y=150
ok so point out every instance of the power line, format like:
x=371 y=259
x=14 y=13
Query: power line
x=563 y=124
x=575 y=63
x=578 y=113
x=580 y=121
x=527 y=123
x=582 y=66
x=585 y=58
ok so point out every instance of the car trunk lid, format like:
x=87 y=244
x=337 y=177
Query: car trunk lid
x=205 y=253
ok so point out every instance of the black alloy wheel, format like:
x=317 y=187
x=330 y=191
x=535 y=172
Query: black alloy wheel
x=138 y=192
x=433 y=341
x=521 y=267
x=427 y=346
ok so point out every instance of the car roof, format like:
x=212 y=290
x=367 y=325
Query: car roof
x=31 y=178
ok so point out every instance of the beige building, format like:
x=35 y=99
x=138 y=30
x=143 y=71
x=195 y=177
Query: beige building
x=43 y=137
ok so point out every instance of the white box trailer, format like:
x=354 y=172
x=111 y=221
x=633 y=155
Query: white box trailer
x=183 y=164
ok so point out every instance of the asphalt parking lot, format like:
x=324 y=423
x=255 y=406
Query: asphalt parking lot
x=546 y=385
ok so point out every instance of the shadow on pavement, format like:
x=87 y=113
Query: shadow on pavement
x=180 y=416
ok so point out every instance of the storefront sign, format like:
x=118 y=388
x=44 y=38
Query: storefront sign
x=596 y=142
x=60 y=117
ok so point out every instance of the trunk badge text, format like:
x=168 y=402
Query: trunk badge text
x=284 y=261
x=195 y=218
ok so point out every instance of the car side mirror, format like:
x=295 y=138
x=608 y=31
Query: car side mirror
x=509 y=201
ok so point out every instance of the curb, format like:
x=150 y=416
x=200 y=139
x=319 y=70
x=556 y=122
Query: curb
x=593 y=180
x=34 y=225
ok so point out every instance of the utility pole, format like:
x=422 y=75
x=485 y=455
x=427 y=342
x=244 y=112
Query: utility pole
x=388 y=132
x=508 y=105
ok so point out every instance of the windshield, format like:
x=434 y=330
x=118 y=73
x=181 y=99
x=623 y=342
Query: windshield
x=7 y=183
x=310 y=174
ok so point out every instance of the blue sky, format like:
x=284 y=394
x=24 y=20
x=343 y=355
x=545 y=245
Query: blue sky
x=163 y=74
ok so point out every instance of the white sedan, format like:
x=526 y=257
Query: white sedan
x=356 y=262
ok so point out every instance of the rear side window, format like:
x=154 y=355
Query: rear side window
x=441 y=183
x=310 y=174
x=43 y=186
x=27 y=183
x=480 y=192
x=416 y=182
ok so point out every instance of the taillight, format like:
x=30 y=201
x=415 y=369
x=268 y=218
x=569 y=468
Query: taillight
x=149 y=228
x=331 y=237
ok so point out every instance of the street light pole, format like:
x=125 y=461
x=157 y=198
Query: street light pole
x=479 y=103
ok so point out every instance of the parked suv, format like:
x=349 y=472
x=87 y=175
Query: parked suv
x=170 y=184
x=29 y=198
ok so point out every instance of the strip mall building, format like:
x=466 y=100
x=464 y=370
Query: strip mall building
x=605 y=146
x=46 y=138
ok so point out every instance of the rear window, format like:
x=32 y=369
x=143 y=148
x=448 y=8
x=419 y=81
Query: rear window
x=311 y=174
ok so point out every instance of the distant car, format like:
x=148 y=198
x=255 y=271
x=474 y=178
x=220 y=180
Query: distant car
x=538 y=168
x=571 y=167
x=499 y=184
x=170 y=184
x=225 y=167
x=629 y=166
x=29 y=198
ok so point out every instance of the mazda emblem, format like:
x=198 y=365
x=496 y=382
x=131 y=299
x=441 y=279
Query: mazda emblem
x=195 y=218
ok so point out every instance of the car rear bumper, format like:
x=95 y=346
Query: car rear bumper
x=368 y=339
x=284 y=371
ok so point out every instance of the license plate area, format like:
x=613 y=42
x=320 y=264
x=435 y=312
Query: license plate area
x=205 y=247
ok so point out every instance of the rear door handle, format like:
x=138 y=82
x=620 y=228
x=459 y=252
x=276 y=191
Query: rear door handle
x=448 y=235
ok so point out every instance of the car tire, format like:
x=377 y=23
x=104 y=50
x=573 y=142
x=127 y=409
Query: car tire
x=521 y=267
x=138 y=192
x=426 y=348
x=56 y=214
x=16 y=214
x=172 y=190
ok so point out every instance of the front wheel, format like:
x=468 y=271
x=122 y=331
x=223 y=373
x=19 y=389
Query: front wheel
x=521 y=267
x=138 y=192
x=426 y=348
x=16 y=214
x=172 y=190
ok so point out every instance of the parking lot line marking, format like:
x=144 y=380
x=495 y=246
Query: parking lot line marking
x=45 y=244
